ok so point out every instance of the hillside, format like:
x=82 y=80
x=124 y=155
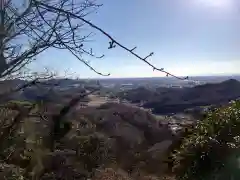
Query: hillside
x=165 y=100
x=128 y=123
x=126 y=139
x=97 y=139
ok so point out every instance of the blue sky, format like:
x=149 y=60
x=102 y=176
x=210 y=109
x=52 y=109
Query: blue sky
x=188 y=37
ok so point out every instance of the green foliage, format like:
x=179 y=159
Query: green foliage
x=211 y=146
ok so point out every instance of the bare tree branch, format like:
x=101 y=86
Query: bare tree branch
x=70 y=49
x=112 y=43
x=33 y=27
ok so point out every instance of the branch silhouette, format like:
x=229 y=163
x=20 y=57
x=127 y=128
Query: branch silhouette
x=70 y=49
x=113 y=42
x=57 y=132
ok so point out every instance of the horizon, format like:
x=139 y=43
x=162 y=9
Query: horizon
x=221 y=75
x=154 y=77
x=134 y=80
x=197 y=38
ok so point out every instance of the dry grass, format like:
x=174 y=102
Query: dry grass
x=96 y=100
x=155 y=178
x=119 y=174
x=37 y=129
x=111 y=174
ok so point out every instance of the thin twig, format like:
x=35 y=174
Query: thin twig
x=112 y=42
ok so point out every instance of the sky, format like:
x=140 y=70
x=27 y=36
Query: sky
x=188 y=38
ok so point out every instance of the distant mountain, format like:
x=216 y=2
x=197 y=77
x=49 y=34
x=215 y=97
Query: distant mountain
x=51 y=90
x=11 y=83
x=167 y=100
x=139 y=94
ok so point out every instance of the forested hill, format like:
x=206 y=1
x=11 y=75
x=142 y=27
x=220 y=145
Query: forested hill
x=173 y=100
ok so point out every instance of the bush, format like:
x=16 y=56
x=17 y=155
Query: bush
x=210 y=151
x=93 y=151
